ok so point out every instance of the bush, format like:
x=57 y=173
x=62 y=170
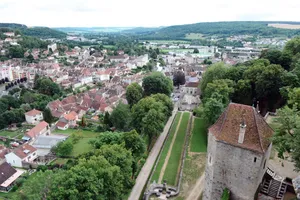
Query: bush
x=226 y=194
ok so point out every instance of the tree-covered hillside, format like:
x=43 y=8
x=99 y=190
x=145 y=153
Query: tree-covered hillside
x=222 y=29
x=40 y=32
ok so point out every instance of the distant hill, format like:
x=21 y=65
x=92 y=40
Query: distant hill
x=12 y=25
x=222 y=29
x=92 y=29
x=141 y=30
x=41 y=32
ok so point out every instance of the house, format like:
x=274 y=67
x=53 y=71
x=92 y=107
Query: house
x=62 y=125
x=25 y=153
x=70 y=119
x=119 y=58
x=238 y=150
x=9 y=34
x=8 y=176
x=40 y=129
x=191 y=88
x=33 y=116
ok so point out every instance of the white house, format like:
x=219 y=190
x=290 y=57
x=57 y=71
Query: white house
x=24 y=153
x=142 y=60
x=34 y=116
x=41 y=129
x=6 y=72
x=62 y=125
x=9 y=34
x=103 y=75
x=87 y=79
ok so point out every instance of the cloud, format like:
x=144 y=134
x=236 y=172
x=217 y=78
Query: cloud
x=57 y=13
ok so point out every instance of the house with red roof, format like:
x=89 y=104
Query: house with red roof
x=40 y=129
x=25 y=153
x=68 y=120
x=34 y=116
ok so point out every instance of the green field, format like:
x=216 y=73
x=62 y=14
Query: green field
x=83 y=133
x=82 y=146
x=199 y=136
x=169 y=41
x=10 y=134
x=173 y=165
x=165 y=150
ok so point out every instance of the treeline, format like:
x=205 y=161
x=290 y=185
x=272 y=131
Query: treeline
x=108 y=171
x=149 y=107
x=221 y=29
x=266 y=80
x=13 y=107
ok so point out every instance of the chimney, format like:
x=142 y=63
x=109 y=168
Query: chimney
x=242 y=132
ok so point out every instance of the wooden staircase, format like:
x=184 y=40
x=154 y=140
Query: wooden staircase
x=274 y=188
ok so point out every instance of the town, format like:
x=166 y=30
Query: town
x=122 y=116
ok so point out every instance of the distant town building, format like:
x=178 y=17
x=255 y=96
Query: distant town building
x=53 y=47
x=238 y=150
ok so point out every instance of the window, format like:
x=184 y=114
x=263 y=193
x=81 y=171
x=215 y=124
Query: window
x=209 y=160
x=254 y=159
x=265 y=164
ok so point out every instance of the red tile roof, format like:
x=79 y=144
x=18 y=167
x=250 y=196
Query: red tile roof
x=192 y=84
x=33 y=112
x=20 y=150
x=61 y=124
x=37 y=129
x=257 y=133
x=71 y=116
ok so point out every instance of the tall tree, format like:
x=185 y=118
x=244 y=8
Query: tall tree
x=157 y=83
x=121 y=117
x=48 y=116
x=178 y=78
x=134 y=93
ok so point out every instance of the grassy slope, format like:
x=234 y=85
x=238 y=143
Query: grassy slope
x=174 y=162
x=199 y=136
x=166 y=148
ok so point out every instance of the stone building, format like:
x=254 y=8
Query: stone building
x=238 y=149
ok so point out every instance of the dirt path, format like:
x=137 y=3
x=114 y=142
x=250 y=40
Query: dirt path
x=169 y=152
x=146 y=169
x=197 y=190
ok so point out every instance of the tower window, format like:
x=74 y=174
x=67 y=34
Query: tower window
x=254 y=159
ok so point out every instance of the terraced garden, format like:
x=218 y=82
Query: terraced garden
x=170 y=160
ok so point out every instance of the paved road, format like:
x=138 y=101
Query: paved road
x=146 y=170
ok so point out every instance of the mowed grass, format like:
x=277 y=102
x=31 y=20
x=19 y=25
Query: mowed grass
x=166 y=148
x=10 y=134
x=194 y=36
x=82 y=133
x=199 y=136
x=82 y=146
x=173 y=165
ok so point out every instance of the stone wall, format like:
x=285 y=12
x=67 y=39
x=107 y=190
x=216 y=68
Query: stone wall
x=231 y=167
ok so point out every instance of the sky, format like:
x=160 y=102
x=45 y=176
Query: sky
x=143 y=13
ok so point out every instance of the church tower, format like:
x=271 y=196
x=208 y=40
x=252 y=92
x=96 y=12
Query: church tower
x=238 y=149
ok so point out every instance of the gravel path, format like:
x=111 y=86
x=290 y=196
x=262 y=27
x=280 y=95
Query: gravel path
x=162 y=172
x=146 y=170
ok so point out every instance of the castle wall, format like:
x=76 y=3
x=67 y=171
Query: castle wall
x=231 y=167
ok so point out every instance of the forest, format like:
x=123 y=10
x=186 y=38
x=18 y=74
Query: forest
x=223 y=29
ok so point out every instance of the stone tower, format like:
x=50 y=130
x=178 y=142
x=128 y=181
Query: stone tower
x=238 y=149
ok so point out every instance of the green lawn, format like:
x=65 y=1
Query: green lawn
x=199 y=136
x=82 y=146
x=173 y=165
x=60 y=161
x=165 y=150
x=194 y=36
x=10 y=134
x=83 y=133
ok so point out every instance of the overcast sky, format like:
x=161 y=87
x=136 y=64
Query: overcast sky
x=125 y=13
